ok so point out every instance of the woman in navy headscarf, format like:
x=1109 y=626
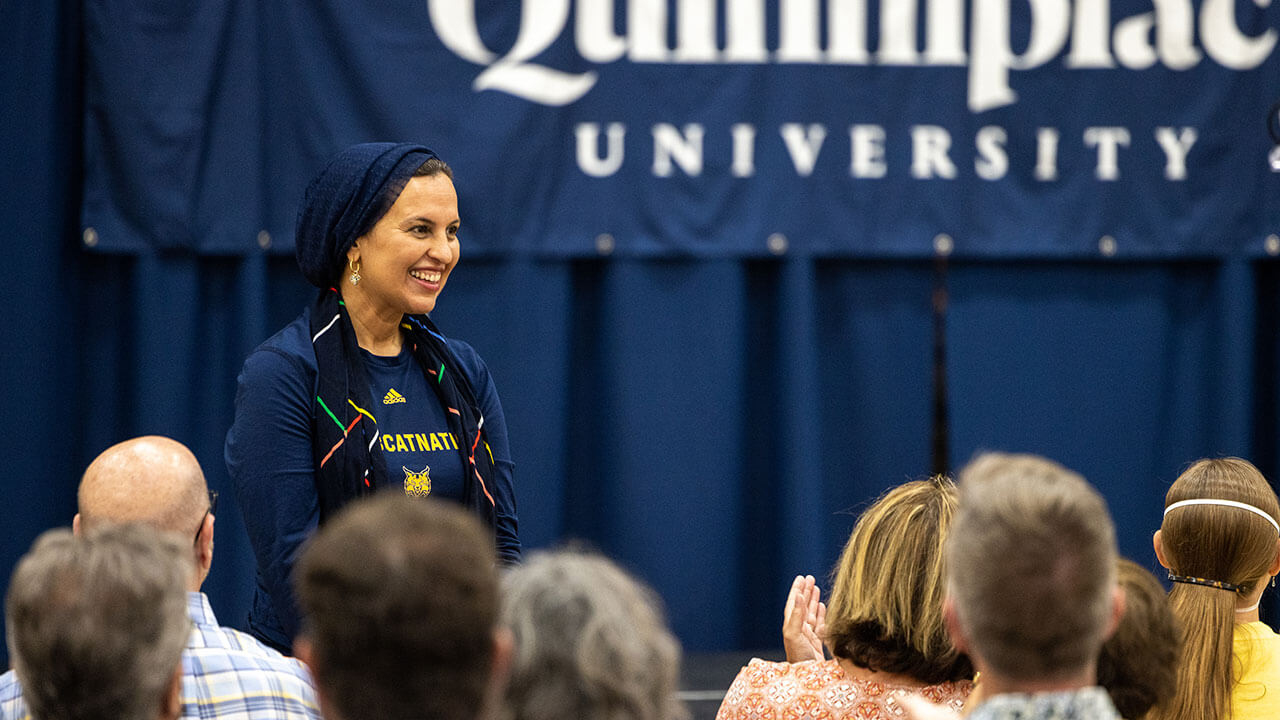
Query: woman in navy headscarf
x=362 y=393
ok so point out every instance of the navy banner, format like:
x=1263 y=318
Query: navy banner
x=999 y=128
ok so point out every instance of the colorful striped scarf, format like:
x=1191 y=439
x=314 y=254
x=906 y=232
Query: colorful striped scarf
x=349 y=462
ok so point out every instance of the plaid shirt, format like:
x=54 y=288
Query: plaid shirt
x=226 y=674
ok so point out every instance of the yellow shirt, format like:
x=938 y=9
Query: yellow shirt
x=1256 y=668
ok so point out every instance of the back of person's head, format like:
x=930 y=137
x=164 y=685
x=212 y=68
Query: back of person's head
x=149 y=480
x=1217 y=552
x=400 y=606
x=590 y=642
x=96 y=625
x=885 y=611
x=1031 y=568
x=1138 y=663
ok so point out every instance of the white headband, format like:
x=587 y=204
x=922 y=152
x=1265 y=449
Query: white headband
x=1227 y=503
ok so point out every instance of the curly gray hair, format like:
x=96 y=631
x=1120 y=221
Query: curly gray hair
x=590 y=642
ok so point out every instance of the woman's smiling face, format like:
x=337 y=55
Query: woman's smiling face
x=406 y=258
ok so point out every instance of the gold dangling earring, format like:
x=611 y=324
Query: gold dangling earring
x=355 y=270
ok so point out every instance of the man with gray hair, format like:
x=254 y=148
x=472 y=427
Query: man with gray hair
x=1031 y=589
x=157 y=482
x=96 y=624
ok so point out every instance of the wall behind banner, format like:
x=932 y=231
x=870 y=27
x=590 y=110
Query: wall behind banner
x=713 y=423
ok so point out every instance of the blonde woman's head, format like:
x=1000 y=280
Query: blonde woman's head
x=885 y=611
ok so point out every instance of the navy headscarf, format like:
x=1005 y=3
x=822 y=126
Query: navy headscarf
x=343 y=203
x=347 y=199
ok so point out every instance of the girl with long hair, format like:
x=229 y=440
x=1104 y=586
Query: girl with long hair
x=1220 y=541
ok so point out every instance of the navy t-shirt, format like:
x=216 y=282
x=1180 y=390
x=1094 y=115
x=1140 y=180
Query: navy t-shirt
x=271 y=456
x=413 y=431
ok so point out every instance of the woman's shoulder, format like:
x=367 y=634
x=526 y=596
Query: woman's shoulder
x=463 y=351
x=821 y=685
x=1256 y=655
x=1256 y=648
x=812 y=675
x=469 y=361
x=1256 y=631
x=952 y=694
x=294 y=338
x=287 y=351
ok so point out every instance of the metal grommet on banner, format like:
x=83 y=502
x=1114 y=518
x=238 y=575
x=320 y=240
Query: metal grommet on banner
x=264 y=239
x=777 y=244
x=1107 y=246
x=605 y=244
x=943 y=244
x=1272 y=244
x=90 y=237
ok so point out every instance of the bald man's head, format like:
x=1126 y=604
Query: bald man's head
x=150 y=480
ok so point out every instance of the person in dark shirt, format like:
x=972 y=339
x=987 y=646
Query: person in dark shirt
x=362 y=393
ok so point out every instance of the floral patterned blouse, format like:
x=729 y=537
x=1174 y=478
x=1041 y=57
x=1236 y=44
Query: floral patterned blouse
x=819 y=690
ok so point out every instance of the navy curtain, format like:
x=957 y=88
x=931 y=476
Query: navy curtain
x=714 y=424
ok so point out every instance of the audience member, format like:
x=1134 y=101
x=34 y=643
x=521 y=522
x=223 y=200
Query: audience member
x=884 y=625
x=1138 y=664
x=1219 y=543
x=590 y=643
x=157 y=482
x=1031 y=588
x=96 y=625
x=400 y=608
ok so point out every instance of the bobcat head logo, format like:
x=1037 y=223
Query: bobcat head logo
x=417 y=484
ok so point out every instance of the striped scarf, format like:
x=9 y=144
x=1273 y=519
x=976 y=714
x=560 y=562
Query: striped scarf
x=349 y=463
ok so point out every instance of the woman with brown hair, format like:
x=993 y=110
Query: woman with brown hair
x=1220 y=541
x=1139 y=662
x=884 y=624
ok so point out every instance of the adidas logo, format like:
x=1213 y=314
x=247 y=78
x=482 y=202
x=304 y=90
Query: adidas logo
x=392 y=397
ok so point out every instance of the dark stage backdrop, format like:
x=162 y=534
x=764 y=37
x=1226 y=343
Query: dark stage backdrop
x=714 y=421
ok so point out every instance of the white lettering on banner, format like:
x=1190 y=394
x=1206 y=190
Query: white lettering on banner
x=930 y=150
x=541 y=22
x=1089 y=25
x=1107 y=140
x=588 y=141
x=744 y=150
x=867 y=152
x=929 y=147
x=803 y=144
x=597 y=42
x=1224 y=41
x=992 y=162
x=1046 y=154
x=1176 y=146
x=992 y=48
x=1165 y=35
x=685 y=149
